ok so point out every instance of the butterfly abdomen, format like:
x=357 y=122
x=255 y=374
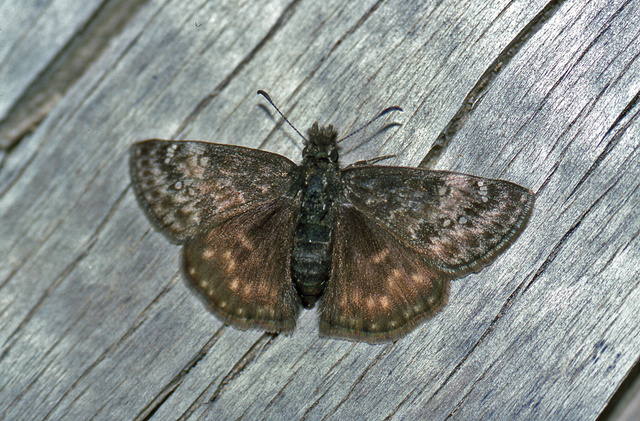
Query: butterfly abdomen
x=311 y=260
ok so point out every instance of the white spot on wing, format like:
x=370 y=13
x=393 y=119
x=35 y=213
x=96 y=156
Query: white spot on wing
x=380 y=257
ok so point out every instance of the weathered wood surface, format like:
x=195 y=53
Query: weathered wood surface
x=97 y=322
x=46 y=47
x=32 y=34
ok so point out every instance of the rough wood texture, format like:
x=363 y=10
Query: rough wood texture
x=33 y=32
x=97 y=322
x=45 y=48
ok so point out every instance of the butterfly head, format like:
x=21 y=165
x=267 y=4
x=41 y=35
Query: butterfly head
x=321 y=143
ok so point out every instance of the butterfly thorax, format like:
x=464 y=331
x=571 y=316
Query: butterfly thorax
x=319 y=188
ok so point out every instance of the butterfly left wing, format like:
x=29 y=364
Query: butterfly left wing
x=242 y=267
x=379 y=288
x=186 y=184
x=458 y=222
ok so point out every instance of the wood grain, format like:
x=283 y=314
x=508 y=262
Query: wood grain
x=46 y=47
x=96 y=320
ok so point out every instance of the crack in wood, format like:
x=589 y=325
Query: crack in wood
x=254 y=352
x=613 y=142
x=251 y=355
x=10 y=341
x=311 y=74
x=166 y=392
x=65 y=69
x=279 y=23
x=519 y=291
x=471 y=101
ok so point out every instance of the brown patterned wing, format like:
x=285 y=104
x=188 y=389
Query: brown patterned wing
x=184 y=185
x=242 y=267
x=379 y=288
x=458 y=222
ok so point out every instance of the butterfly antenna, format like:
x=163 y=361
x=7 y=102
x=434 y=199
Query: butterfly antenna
x=385 y=111
x=268 y=98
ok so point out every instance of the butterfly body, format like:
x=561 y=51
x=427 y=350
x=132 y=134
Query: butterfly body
x=320 y=187
x=375 y=246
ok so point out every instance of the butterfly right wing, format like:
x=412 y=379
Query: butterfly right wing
x=186 y=184
x=458 y=222
x=401 y=234
x=379 y=288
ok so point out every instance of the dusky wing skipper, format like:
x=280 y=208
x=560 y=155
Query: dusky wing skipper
x=374 y=245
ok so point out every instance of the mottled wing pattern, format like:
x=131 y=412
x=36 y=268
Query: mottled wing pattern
x=183 y=185
x=458 y=222
x=379 y=288
x=242 y=267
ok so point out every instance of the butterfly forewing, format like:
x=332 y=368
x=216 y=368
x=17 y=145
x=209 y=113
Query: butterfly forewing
x=242 y=267
x=183 y=185
x=379 y=288
x=457 y=221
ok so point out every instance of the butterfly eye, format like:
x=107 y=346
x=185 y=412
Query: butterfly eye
x=333 y=155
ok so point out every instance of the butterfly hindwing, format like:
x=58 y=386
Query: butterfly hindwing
x=242 y=267
x=458 y=222
x=185 y=184
x=379 y=288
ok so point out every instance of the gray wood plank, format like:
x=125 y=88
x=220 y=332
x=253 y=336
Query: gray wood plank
x=45 y=46
x=97 y=322
x=32 y=33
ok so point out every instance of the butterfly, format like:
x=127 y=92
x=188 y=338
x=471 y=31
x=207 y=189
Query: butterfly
x=374 y=246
